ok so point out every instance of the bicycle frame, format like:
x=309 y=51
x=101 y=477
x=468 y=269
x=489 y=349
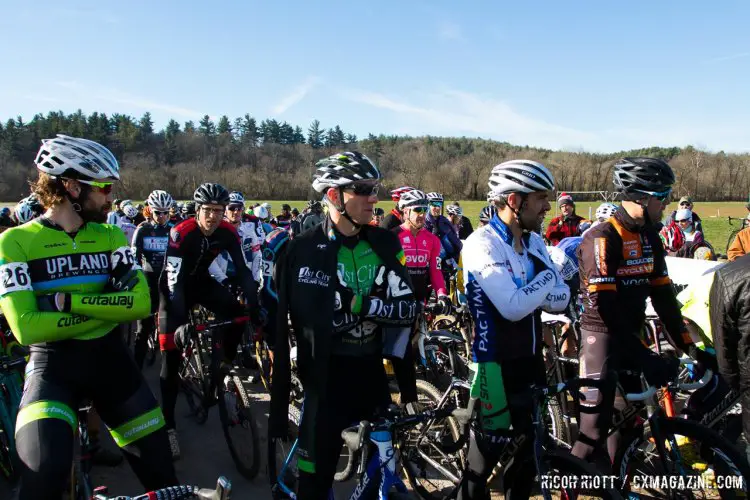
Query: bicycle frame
x=383 y=459
x=12 y=388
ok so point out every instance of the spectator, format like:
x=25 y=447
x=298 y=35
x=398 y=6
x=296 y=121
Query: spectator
x=740 y=246
x=465 y=227
x=686 y=203
x=5 y=220
x=566 y=224
x=314 y=215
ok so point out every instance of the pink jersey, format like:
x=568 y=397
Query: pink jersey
x=422 y=261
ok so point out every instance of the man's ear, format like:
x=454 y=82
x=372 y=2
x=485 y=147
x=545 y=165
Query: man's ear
x=333 y=195
x=72 y=187
x=515 y=200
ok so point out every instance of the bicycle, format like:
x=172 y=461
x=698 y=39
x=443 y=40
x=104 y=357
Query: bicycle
x=743 y=224
x=222 y=491
x=375 y=470
x=660 y=445
x=550 y=461
x=11 y=388
x=81 y=487
x=223 y=385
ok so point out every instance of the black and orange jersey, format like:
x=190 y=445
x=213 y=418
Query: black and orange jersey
x=621 y=264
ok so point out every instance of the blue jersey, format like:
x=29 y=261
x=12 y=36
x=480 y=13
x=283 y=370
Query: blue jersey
x=565 y=257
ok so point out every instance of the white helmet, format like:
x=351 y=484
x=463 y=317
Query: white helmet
x=77 y=158
x=412 y=198
x=605 y=211
x=160 y=200
x=130 y=212
x=435 y=197
x=519 y=176
x=23 y=212
x=125 y=203
x=267 y=206
x=235 y=197
x=261 y=212
x=454 y=210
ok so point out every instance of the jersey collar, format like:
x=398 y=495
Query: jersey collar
x=503 y=231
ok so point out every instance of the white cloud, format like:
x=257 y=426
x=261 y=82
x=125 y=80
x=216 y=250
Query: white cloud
x=729 y=57
x=295 y=96
x=452 y=112
x=116 y=96
x=450 y=31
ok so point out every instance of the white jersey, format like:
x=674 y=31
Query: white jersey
x=251 y=236
x=127 y=227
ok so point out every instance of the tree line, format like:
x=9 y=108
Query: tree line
x=275 y=160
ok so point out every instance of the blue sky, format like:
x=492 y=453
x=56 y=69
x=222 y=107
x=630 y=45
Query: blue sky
x=591 y=75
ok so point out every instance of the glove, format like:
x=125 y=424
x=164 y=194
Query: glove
x=56 y=302
x=660 y=369
x=182 y=336
x=122 y=280
x=706 y=360
x=446 y=304
x=343 y=295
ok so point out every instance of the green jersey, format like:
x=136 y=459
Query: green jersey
x=358 y=267
x=39 y=258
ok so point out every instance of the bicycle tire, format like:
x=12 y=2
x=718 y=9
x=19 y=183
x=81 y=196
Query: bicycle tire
x=294 y=417
x=247 y=422
x=8 y=459
x=152 y=347
x=412 y=466
x=195 y=387
x=712 y=445
x=573 y=467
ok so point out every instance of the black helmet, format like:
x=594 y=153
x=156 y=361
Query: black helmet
x=210 y=193
x=342 y=169
x=378 y=211
x=643 y=175
x=188 y=208
x=286 y=206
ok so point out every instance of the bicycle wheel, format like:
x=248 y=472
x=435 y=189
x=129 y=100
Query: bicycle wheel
x=562 y=472
x=731 y=238
x=193 y=380
x=152 y=347
x=700 y=455
x=239 y=426
x=8 y=457
x=279 y=451
x=428 y=467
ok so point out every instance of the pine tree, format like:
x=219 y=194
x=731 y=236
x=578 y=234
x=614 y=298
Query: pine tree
x=315 y=135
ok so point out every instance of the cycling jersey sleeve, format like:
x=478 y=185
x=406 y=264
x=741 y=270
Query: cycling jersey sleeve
x=175 y=273
x=513 y=302
x=436 y=277
x=248 y=284
x=665 y=302
x=598 y=263
x=18 y=303
x=282 y=369
x=138 y=244
x=456 y=243
x=218 y=267
x=120 y=306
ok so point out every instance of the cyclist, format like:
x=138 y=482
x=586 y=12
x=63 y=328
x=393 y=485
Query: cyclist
x=274 y=244
x=23 y=213
x=509 y=279
x=314 y=215
x=175 y=216
x=185 y=281
x=251 y=234
x=345 y=287
x=262 y=214
x=71 y=281
x=5 y=217
x=284 y=219
x=395 y=217
x=188 y=210
x=441 y=227
x=621 y=264
x=149 y=246
x=116 y=213
x=377 y=216
x=127 y=222
x=486 y=214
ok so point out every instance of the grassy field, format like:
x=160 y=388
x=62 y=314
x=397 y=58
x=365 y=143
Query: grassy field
x=713 y=214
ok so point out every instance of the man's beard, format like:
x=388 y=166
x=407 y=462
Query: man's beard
x=92 y=214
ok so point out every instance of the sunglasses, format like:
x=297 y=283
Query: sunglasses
x=686 y=204
x=436 y=204
x=660 y=195
x=363 y=189
x=161 y=212
x=419 y=210
x=683 y=220
x=102 y=187
x=234 y=208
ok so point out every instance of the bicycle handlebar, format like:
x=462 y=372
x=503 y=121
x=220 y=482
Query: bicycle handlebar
x=216 y=324
x=685 y=386
x=222 y=491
